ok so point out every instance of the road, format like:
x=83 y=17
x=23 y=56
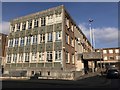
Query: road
x=91 y=82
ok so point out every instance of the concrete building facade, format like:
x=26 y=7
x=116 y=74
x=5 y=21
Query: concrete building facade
x=47 y=42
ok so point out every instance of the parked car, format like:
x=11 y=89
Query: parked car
x=113 y=73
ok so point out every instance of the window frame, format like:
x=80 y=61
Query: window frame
x=27 y=57
x=29 y=24
x=22 y=41
x=41 y=56
x=35 y=39
x=24 y=26
x=43 y=21
x=50 y=37
x=36 y=23
x=49 y=56
x=58 y=56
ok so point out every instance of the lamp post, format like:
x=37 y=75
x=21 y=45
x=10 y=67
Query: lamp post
x=91 y=40
x=91 y=32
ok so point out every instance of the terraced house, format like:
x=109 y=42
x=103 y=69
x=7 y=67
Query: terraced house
x=46 y=42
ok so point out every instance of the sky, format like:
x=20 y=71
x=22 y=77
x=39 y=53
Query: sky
x=104 y=14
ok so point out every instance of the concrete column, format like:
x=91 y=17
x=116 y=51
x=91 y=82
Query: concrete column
x=33 y=23
x=20 y=26
x=53 y=53
x=31 y=40
x=38 y=39
x=25 y=40
x=17 y=58
x=26 y=25
x=30 y=56
x=23 y=57
x=19 y=40
x=93 y=66
x=13 y=42
x=47 y=22
x=39 y=20
x=54 y=36
x=46 y=37
x=12 y=58
x=15 y=27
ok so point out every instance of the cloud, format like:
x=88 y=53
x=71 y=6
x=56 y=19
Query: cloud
x=104 y=36
x=5 y=27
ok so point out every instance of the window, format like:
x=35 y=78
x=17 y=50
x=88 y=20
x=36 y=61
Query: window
x=34 y=56
x=41 y=56
x=110 y=51
x=43 y=21
x=58 y=36
x=48 y=73
x=32 y=72
x=16 y=41
x=49 y=37
x=12 y=28
x=22 y=42
x=71 y=42
x=28 y=40
x=29 y=24
x=67 y=57
x=23 y=25
x=14 y=58
x=11 y=43
x=67 y=22
x=18 y=27
x=67 y=38
x=117 y=57
x=104 y=51
x=105 y=58
x=111 y=58
x=8 y=58
x=20 y=57
x=116 y=50
x=36 y=23
x=26 y=57
x=50 y=17
x=58 y=15
x=49 y=56
x=42 y=38
x=35 y=39
x=73 y=59
x=57 y=55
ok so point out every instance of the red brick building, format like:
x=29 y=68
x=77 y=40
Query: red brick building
x=111 y=56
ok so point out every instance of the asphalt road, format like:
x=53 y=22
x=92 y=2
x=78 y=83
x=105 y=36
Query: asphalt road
x=91 y=82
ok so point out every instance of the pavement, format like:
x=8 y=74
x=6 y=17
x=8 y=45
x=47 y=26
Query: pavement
x=95 y=81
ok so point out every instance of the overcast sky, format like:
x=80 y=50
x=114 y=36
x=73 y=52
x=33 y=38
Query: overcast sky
x=104 y=14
